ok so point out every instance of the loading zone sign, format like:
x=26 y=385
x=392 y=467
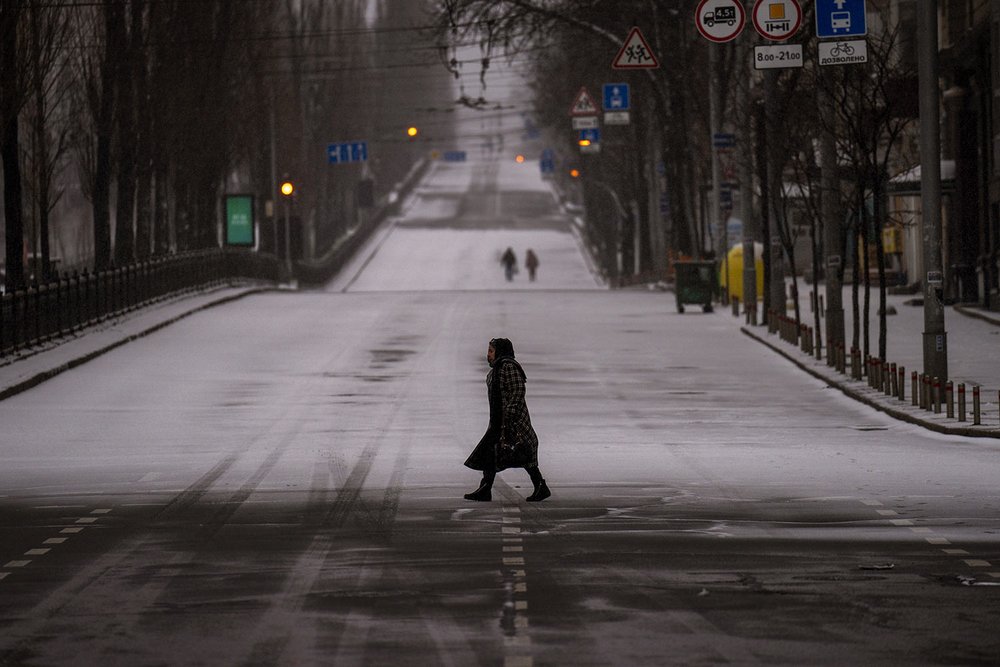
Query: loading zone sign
x=720 y=20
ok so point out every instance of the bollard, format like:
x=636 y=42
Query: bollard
x=949 y=393
x=936 y=395
x=890 y=380
x=913 y=388
x=925 y=402
x=961 y=401
x=901 y=384
x=736 y=306
x=976 y=416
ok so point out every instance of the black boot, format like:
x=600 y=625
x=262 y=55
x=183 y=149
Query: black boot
x=483 y=493
x=541 y=493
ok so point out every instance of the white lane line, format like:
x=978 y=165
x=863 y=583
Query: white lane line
x=3 y=575
x=100 y=511
x=937 y=540
x=149 y=477
x=56 y=540
x=511 y=531
x=71 y=531
x=978 y=563
x=87 y=519
x=36 y=552
x=17 y=563
x=888 y=512
x=55 y=507
x=513 y=561
x=901 y=522
x=512 y=549
x=521 y=605
x=523 y=588
x=519 y=574
x=956 y=552
x=871 y=503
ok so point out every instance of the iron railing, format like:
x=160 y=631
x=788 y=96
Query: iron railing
x=70 y=303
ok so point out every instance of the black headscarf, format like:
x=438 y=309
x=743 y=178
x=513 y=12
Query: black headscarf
x=502 y=347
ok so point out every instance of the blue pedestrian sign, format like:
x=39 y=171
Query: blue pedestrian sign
x=593 y=136
x=616 y=97
x=347 y=152
x=840 y=18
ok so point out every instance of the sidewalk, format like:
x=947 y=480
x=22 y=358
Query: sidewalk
x=973 y=358
x=32 y=366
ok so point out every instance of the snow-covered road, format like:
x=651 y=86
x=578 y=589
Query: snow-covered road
x=278 y=481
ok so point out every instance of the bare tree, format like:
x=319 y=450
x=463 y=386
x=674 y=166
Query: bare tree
x=13 y=91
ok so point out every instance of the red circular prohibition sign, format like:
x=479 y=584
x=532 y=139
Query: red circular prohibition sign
x=795 y=28
x=707 y=27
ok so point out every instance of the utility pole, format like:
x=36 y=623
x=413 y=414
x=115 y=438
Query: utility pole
x=776 y=286
x=935 y=338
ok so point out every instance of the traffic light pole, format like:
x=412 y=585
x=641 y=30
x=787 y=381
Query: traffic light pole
x=935 y=338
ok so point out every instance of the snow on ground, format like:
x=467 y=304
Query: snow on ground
x=457 y=224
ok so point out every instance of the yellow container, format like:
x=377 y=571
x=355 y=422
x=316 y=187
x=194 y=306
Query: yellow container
x=735 y=278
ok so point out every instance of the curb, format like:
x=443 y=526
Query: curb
x=39 y=378
x=862 y=397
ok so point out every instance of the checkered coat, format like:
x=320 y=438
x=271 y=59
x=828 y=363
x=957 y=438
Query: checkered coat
x=510 y=440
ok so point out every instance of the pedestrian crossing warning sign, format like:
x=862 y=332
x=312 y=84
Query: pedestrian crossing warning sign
x=583 y=105
x=635 y=53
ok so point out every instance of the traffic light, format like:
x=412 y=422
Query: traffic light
x=287 y=188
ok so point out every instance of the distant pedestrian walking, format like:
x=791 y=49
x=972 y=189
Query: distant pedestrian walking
x=531 y=263
x=509 y=261
x=510 y=441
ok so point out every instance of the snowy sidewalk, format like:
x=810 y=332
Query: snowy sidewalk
x=31 y=366
x=973 y=359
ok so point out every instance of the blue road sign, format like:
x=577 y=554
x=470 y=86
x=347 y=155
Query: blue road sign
x=547 y=165
x=840 y=18
x=616 y=97
x=723 y=140
x=592 y=135
x=548 y=154
x=347 y=152
x=454 y=156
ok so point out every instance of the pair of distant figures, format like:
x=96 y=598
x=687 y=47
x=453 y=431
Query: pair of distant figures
x=509 y=261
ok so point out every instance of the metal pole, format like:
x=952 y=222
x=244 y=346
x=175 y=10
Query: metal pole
x=288 y=238
x=746 y=204
x=934 y=337
x=714 y=112
x=833 y=240
x=776 y=288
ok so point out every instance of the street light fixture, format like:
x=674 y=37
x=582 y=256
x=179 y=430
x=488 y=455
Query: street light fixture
x=288 y=189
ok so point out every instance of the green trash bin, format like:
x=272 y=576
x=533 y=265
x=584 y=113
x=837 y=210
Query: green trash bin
x=696 y=282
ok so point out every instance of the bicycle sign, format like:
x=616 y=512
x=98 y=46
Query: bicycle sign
x=846 y=52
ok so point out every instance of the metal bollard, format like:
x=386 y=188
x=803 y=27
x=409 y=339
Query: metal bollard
x=914 y=388
x=949 y=393
x=901 y=384
x=961 y=401
x=937 y=395
x=976 y=415
x=925 y=390
x=890 y=380
x=736 y=305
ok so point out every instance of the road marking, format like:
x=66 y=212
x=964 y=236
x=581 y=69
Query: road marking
x=518 y=661
x=71 y=531
x=937 y=540
x=508 y=550
x=87 y=519
x=3 y=575
x=523 y=588
x=978 y=563
x=54 y=507
x=36 y=552
x=922 y=531
x=56 y=540
x=511 y=531
x=17 y=563
x=149 y=477
x=521 y=605
x=995 y=575
x=513 y=561
x=888 y=512
x=100 y=511
x=901 y=522
x=872 y=503
x=956 y=552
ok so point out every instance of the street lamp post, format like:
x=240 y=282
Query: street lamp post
x=935 y=338
x=288 y=189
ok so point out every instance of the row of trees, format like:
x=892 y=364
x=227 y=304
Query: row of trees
x=151 y=110
x=777 y=117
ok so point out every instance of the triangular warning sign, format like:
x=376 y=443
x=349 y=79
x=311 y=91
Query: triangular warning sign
x=583 y=105
x=635 y=53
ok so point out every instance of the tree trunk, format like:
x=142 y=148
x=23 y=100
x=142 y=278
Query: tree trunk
x=13 y=204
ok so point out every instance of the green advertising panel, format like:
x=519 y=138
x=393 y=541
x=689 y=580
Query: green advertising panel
x=239 y=220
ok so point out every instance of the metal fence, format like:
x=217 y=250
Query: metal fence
x=72 y=302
